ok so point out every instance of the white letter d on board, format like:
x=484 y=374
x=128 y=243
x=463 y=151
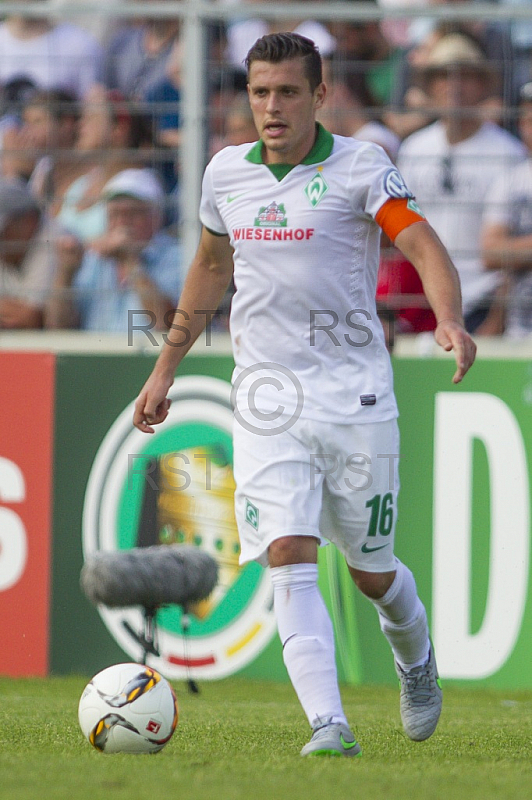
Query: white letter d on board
x=459 y=420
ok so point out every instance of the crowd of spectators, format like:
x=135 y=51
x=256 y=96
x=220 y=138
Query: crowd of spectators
x=90 y=136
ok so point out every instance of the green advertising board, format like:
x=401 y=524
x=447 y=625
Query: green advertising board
x=463 y=522
x=465 y=512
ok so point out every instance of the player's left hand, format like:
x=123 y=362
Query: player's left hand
x=453 y=336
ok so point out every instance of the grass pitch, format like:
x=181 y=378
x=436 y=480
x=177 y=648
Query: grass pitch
x=241 y=739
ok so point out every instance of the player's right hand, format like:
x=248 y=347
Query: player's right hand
x=152 y=404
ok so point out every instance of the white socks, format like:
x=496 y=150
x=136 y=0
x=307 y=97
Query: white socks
x=403 y=620
x=306 y=633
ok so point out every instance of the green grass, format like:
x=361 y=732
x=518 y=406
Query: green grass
x=241 y=739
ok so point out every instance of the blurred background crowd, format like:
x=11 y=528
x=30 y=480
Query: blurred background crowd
x=90 y=154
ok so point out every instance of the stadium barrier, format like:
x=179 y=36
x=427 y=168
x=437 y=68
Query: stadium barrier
x=75 y=477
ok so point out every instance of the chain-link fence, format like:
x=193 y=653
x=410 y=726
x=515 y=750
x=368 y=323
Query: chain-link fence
x=110 y=112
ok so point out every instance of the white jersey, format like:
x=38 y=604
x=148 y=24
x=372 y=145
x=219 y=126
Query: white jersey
x=306 y=258
x=450 y=182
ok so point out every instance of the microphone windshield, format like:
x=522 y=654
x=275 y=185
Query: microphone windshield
x=149 y=576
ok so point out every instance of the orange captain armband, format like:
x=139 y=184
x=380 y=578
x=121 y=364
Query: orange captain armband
x=397 y=214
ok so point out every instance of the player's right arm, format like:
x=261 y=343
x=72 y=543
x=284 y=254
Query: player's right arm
x=206 y=283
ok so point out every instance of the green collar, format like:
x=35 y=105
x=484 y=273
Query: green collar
x=321 y=150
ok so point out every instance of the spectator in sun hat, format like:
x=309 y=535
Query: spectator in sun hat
x=27 y=257
x=133 y=267
x=507 y=229
x=451 y=164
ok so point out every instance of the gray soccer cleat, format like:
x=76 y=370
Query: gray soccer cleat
x=331 y=739
x=421 y=699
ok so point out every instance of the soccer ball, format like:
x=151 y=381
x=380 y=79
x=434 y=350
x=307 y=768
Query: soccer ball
x=128 y=708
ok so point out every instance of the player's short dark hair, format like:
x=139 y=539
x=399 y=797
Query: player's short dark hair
x=277 y=47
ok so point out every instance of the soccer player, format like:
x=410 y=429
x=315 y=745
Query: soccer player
x=298 y=216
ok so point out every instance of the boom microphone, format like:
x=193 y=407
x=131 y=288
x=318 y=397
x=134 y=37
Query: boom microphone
x=149 y=576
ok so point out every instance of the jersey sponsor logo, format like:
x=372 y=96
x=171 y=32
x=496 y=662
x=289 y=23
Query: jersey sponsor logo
x=316 y=189
x=271 y=216
x=395 y=186
x=275 y=235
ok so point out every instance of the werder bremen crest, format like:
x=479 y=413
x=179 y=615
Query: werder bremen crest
x=272 y=216
x=252 y=514
x=316 y=189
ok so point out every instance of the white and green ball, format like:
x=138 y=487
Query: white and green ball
x=128 y=708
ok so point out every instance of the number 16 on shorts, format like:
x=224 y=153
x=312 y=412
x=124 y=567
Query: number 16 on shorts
x=381 y=520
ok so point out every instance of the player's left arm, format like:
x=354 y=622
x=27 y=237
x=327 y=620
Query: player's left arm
x=422 y=247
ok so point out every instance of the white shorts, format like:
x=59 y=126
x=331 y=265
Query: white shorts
x=334 y=482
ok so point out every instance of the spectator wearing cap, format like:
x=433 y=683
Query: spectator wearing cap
x=27 y=258
x=131 y=275
x=451 y=165
x=507 y=229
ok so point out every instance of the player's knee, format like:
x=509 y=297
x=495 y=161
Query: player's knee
x=373 y=584
x=293 y=550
